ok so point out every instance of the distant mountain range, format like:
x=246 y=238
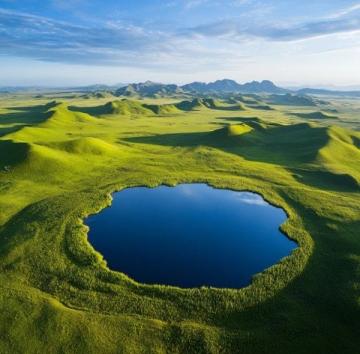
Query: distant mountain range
x=225 y=85
x=149 y=88
x=154 y=89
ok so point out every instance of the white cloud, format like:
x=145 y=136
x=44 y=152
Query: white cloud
x=251 y=198
x=347 y=21
x=243 y=50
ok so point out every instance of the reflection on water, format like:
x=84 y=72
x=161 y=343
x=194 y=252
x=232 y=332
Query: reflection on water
x=189 y=235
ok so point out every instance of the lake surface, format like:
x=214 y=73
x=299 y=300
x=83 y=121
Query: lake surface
x=189 y=235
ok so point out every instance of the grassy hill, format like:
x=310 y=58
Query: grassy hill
x=303 y=145
x=292 y=100
x=263 y=107
x=12 y=153
x=315 y=115
x=129 y=107
x=124 y=107
x=60 y=162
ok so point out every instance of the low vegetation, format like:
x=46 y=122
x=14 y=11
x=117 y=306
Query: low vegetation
x=60 y=161
x=315 y=115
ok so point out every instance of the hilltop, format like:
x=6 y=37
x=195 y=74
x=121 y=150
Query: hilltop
x=226 y=85
x=131 y=107
x=290 y=99
x=148 y=88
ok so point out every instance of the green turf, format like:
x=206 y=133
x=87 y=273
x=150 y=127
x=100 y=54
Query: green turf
x=59 y=162
x=315 y=115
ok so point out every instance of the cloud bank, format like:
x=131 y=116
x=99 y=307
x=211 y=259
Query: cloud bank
x=45 y=39
x=347 y=20
x=116 y=43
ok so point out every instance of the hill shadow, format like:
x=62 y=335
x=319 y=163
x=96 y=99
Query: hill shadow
x=292 y=147
x=21 y=117
x=228 y=108
x=288 y=146
x=240 y=119
x=92 y=110
x=326 y=180
x=12 y=153
x=313 y=115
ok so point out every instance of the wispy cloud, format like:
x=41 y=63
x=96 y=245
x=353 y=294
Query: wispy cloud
x=251 y=198
x=112 y=43
x=46 y=39
x=346 y=11
x=119 y=43
x=347 y=20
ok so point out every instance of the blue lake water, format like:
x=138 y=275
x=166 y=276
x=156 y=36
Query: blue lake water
x=189 y=235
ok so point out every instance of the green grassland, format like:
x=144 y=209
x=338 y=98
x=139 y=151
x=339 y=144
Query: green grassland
x=61 y=159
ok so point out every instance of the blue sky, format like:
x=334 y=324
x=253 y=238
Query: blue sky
x=75 y=42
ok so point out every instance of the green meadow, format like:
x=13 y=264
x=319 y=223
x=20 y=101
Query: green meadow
x=61 y=157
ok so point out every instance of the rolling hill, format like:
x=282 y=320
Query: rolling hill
x=132 y=107
x=64 y=160
x=314 y=115
x=291 y=100
x=148 y=89
x=331 y=151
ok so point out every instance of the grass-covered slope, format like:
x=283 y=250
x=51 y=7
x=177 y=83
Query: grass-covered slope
x=124 y=107
x=12 y=153
x=163 y=109
x=292 y=100
x=87 y=145
x=57 y=294
x=315 y=115
x=127 y=107
x=302 y=146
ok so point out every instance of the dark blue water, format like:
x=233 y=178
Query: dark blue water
x=190 y=235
